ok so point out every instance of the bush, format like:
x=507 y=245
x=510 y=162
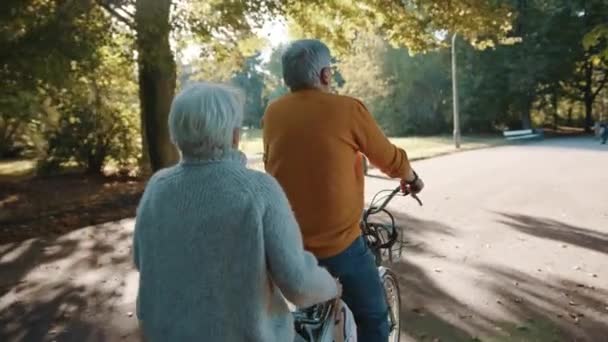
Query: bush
x=91 y=138
x=17 y=109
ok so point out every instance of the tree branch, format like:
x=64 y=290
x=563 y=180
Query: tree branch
x=602 y=84
x=120 y=17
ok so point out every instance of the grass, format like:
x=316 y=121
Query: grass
x=251 y=144
x=16 y=169
x=416 y=147
x=427 y=147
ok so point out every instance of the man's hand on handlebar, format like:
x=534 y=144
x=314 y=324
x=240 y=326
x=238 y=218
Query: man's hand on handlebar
x=413 y=185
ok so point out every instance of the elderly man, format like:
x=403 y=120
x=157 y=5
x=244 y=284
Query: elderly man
x=313 y=141
x=216 y=244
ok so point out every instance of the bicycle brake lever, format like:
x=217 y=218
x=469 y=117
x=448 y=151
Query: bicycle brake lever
x=414 y=196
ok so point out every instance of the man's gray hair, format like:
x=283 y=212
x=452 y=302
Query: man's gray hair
x=303 y=61
x=203 y=118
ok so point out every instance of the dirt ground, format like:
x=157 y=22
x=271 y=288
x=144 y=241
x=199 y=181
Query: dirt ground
x=35 y=207
x=511 y=245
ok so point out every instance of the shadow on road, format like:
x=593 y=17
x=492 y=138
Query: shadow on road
x=65 y=288
x=56 y=289
x=556 y=230
x=525 y=308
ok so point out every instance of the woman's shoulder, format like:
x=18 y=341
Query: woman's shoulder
x=162 y=175
x=262 y=183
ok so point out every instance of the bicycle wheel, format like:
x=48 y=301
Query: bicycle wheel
x=393 y=299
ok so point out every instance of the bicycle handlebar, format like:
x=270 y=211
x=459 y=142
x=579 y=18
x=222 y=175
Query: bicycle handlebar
x=372 y=228
x=376 y=209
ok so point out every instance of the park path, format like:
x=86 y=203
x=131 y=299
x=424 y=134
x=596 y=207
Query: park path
x=511 y=245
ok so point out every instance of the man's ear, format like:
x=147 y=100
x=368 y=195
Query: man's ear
x=326 y=76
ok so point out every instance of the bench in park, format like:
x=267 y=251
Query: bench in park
x=523 y=134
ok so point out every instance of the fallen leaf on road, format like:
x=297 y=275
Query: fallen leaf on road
x=418 y=311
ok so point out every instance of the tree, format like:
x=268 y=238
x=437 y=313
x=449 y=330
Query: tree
x=37 y=55
x=155 y=22
x=273 y=80
x=223 y=21
x=510 y=82
x=594 y=67
x=251 y=80
x=412 y=24
x=157 y=79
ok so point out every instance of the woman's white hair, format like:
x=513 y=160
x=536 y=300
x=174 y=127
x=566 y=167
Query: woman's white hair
x=203 y=118
x=303 y=61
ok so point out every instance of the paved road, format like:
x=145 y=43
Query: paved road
x=511 y=245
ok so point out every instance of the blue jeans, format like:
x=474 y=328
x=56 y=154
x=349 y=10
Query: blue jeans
x=362 y=290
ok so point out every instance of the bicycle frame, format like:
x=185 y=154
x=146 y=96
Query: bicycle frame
x=375 y=234
x=319 y=313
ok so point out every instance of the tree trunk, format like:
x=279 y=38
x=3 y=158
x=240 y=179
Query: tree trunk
x=588 y=96
x=526 y=121
x=588 y=114
x=554 y=99
x=157 y=77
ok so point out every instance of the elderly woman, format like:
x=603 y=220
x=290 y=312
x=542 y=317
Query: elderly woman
x=217 y=244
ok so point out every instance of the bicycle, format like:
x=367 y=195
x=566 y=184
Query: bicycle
x=312 y=323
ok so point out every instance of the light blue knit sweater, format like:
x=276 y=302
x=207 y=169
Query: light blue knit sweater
x=216 y=244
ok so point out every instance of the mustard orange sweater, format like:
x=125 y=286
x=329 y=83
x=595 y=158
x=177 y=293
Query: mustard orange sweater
x=312 y=146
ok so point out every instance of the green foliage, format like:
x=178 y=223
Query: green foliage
x=97 y=119
x=411 y=24
x=273 y=81
x=595 y=38
x=507 y=86
x=73 y=97
x=15 y=112
x=251 y=80
x=36 y=55
x=407 y=94
x=90 y=138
